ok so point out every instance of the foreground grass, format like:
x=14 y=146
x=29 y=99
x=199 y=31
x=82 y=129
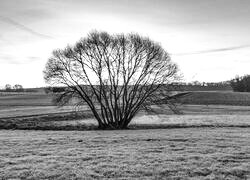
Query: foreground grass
x=192 y=153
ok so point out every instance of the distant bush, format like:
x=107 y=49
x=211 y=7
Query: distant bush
x=54 y=89
x=241 y=84
x=8 y=87
x=18 y=88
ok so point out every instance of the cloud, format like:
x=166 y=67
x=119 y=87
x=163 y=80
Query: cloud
x=24 y=28
x=9 y=59
x=33 y=58
x=212 y=50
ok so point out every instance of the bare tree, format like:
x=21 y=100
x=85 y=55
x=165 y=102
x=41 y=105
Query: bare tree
x=8 y=87
x=115 y=75
x=18 y=88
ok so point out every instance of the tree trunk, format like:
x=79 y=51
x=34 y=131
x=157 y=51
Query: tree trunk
x=113 y=126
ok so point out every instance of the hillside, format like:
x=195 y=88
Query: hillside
x=8 y=99
x=218 y=97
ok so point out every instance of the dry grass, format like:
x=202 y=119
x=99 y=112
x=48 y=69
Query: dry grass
x=52 y=118
x=193 y=153
x=25 y=99
x=221 y=152
x=33 y=110
x=196 y=97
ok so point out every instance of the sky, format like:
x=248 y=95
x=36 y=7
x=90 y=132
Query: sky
x=209 y=40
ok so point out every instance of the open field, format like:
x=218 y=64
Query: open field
x=24 y=99
x=196 y=97
x=209 y=141
x=218 y=97
x=65 y=118
x=36 y=111
x=191 y=153
x=27 y=111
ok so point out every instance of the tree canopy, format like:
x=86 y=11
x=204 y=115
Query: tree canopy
x=115 y=75
x=241 y=84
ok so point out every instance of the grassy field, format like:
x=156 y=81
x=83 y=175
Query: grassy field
x=190 y=153
x=24 y=99
x=36 y=111
x=196 y=97
x=65 y=118
x=210 y=140
x=218 y=97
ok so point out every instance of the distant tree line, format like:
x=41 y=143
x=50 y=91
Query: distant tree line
x=15 y=88
x=202 y=86
x=175 y=86
x=241 y=84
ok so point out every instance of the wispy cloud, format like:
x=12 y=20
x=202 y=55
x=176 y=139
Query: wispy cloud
x=9 y=59
x=23 y=27
x=212 y=50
